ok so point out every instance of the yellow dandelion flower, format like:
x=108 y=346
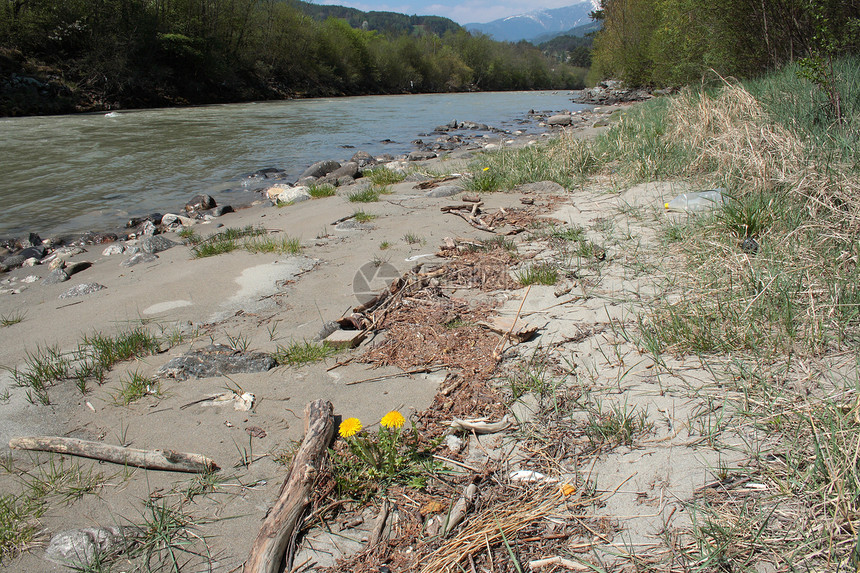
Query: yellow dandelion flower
x=393 y=419
x=486 y=168
x=349 y=427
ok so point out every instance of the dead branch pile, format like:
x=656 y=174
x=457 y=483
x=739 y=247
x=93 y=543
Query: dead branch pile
x=429 y=329
x=486 y=270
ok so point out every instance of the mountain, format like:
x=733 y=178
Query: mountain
x=538 y=23
x=385 y=22
x=581 y=31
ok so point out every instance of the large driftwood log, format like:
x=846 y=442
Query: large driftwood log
x=269 y=549
x=149 y=459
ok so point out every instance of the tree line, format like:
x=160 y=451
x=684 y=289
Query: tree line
x=674 y=42
x=97 y=54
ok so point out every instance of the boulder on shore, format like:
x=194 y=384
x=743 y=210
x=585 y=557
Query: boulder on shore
x=320 y=168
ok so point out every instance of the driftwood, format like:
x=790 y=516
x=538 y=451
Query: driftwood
x=480 y=426
x=379 y=525
x=430 y=184
x=167 y=460
x=460 y=509
x=281 y=523
x=539 y=564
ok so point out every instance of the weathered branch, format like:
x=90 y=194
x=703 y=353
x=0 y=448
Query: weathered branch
x=167 y=460
x=279 y=527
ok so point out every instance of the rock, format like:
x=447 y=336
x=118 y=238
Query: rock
x=292 y=195
x=79 y=548
x=113 y=250
x=56 y=276
x=200 y=202
x=154 y=218
x=147 y=229
x=344 y=181
x=77 y=267
x=156 y=244
x=320 y=168
x=170 y=219
x=561 y=119
x=443 y=191
x=57 y=263
x=441 y=128
x=216 y=360
x=37 y=252
x=138 y=258
x=363 y=159
x=420 y=155
x=475 y=126
x=221 y=210
x=601 y=123
x=13 y=261
x=67 y=252
x=349 y=168
x=32 y=240
x=275 y=190
x=31 y=262
x=97 y=238
x=269 y=173
x=82 y=289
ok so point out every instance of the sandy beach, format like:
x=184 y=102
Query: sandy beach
x=263 y=301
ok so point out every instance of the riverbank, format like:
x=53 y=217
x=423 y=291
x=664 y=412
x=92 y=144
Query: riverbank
x=557 y=342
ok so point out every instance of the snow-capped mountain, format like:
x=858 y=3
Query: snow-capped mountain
x=537 y=23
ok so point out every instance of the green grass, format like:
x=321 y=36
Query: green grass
x=384 y=176
x=363 y=216
x=95 y=355
x=413 y=239
x=14 y=317
x=18 y=525
x=539 y=274
x=318 y=191
x=224 y=242
x=299 y=353
x=269 y=244
x=617 y=425
x=384 y=245
x=135 y=386
x=368 y=195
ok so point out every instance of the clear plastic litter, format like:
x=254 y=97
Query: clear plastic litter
x=696 y=201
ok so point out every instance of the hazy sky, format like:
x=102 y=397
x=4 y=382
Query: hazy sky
x=461 y=11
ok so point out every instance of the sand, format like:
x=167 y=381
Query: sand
x=266 y=300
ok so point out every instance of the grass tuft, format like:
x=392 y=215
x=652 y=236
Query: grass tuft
x=12 y=318
x=384 y=176
x=540 y=274
x=318 y=191
x=363 y=216
x=304 y=352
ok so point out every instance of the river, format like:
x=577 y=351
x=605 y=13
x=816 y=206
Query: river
x=68 y=174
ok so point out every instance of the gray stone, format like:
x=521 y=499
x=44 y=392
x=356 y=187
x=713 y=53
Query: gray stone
x=327 y=329
x=363 y=159
x=56 y=276
x=349 y=168
x=113 y=250
x=443 y=191
x=292 y=195
x=32 y=240
x=200 y=202
x=78 y=548
x=138 y=258
x=82 y=289
x=147 y=229
x=77 y=267
x=601 y=123
x=14 y=261
x=156 y=244
x=420 y=155
x=561 y=119
x=216 y=360
x=344 y=181
x=320 y=168
x=221 y=210
x=353 y=226
x=172 y=219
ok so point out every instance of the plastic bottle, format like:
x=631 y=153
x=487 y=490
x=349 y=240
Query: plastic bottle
x=696 y=201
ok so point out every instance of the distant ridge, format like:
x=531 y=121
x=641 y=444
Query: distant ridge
x=539 y=24
x=385 y=22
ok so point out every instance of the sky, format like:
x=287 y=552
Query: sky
x=461 y=11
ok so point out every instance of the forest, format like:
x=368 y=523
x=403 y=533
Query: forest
x=59 y=56
x=676 y=42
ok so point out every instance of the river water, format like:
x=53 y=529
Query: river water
x=65 y=174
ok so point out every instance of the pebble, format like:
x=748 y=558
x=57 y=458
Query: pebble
x=113 y=250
